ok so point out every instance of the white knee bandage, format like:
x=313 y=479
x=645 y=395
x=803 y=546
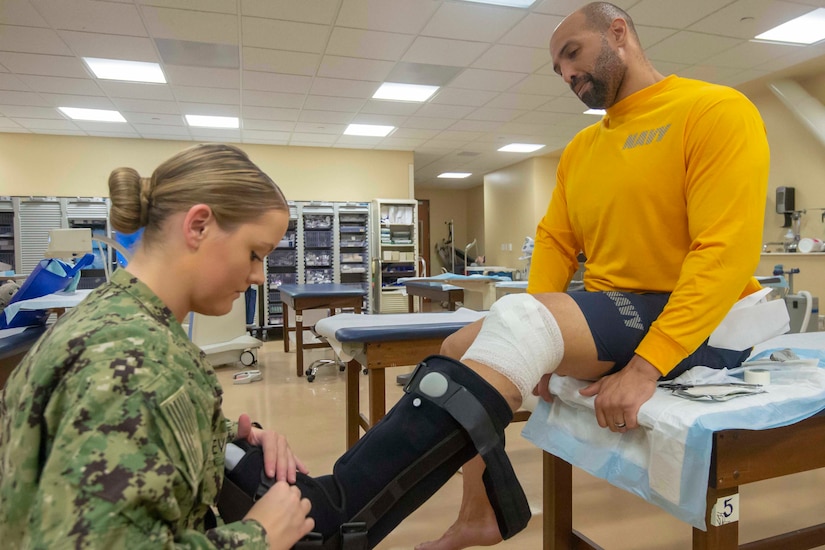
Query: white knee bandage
x=520 y=339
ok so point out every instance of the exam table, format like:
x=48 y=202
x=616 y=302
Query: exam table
x=791 y=441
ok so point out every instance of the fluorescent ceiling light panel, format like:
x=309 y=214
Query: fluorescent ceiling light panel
x=510 y=3
x=404 y=92
x=371 y=130
x=521 y=147
x=204 y=121
x=805 y=29
x=132 y=71
x=600 y=112
x=455 y=175
x=97 y=115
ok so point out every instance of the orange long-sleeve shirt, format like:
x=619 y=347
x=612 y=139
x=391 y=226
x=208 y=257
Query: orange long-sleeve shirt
x=665 y=194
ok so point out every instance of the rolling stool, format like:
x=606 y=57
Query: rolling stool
x=317 y=364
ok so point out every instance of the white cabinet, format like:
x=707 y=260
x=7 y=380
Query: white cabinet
x=395 y=252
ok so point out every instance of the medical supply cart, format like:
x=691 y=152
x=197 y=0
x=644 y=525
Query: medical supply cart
x=394 y=252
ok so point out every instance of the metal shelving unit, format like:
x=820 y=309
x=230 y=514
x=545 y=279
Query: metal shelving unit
x=395 y=252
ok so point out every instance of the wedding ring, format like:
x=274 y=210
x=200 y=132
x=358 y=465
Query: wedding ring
x=620 y=425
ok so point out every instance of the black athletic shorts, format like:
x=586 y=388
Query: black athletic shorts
x=619 y=320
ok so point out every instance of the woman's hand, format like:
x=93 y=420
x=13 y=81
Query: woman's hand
x=283 y=514
x=279 y=460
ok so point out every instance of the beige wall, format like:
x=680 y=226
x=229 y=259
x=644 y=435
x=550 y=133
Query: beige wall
x=445 y=205
x=79 y=166
x=515 y=199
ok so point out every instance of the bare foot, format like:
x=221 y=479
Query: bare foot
x=467 y=532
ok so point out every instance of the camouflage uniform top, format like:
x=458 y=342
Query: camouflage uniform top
x=112 y=433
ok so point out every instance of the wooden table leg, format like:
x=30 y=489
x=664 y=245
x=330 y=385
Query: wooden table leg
x=285 y=311
x=353 y=402
x=558 y=503
x=299 y=341
x=378 y=398
x=721 y=537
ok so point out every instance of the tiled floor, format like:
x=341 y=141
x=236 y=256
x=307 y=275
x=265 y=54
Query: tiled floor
x=311 y=415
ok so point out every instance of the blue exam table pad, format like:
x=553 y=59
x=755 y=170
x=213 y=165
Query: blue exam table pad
x=347 y=332
x=323 y=289
x=431 y=284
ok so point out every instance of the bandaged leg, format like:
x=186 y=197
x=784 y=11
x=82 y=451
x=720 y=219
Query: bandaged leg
x=520 y=339
x=447 y=415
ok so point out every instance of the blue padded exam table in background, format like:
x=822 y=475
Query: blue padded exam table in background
x=330 y=296
x=434 y=290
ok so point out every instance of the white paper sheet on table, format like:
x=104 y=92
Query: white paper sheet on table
x=667 y=460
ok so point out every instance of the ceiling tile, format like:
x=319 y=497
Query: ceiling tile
x=465 y=21
x=444 y=111
x=81 y=101
x=381 y=107
x=273 y=82
x=369 y=44
x=132 y=48
x=414 y=133
x=219 y=6
x=400 y=16
x=145 y=119
x=747 y=18
x=198 y=54
x=45 y=124
x=209 y=109
x=265 y=136
x=19 y=111
x=31 y=40
x=146 y=106
x=427 y=123
x=325 y=117
x=540 y=84
x=346 y=67
x=317 y=139
x=169 y=137
x=268 y=125
x=91 y=16
x=109 y=127
x=56 y=84
x=649 y=36
x=403 y=144
x=309 y=11
x=344 y=88
x=457 y=96
x=480 y=79
x=513 y=58
x=517 y=101
x=9 y=81
x=320 y=128
x=47 y=65
x=690 y=47
x=491 y=114
x=673 y=13
x=566 y=104
x=160 y=92
x=380 y=120
x=20 y=12
x=162 y=130
x=476 y=125
x=442 y=51
x=202 y=76
x=272 y=99
x=327 y=103
x=269 y=113
x=190 y=25
x=284 y=35
x=749 y=54
x=533 y=31
x=206 y=95
x=279 y=61
x=22 y=98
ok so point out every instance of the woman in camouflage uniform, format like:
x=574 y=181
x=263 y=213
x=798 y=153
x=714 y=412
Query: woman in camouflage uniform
x=112 y=430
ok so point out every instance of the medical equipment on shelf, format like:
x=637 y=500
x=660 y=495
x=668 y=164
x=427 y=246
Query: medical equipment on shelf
x=224 y=339
x=803 y=308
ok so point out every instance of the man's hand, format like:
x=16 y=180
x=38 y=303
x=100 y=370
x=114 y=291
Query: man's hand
x=620 y=396
x=279 y=461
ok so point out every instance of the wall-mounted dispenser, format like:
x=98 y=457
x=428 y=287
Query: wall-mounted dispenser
x=786 y=203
